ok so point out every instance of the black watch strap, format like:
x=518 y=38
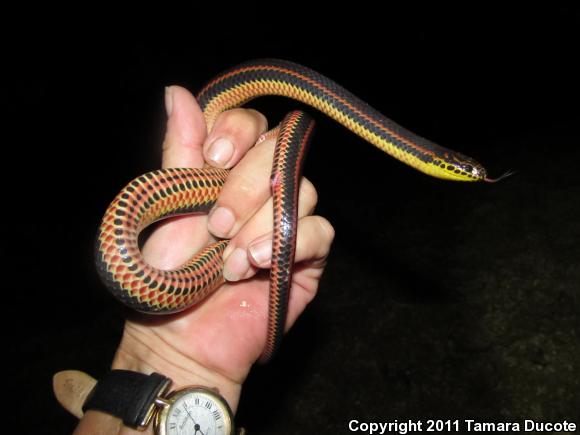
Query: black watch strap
x=128 y=395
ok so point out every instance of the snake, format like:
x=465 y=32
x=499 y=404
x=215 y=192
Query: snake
x=164 y=193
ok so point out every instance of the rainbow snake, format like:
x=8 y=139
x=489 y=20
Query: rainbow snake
x=176 y=191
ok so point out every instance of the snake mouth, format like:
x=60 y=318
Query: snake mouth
x=501 y=177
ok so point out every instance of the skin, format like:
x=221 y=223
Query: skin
x=215 y=343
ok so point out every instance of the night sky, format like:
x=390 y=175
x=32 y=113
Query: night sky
x=440 y=300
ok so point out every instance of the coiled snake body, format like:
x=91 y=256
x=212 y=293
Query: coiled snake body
x=174 y=191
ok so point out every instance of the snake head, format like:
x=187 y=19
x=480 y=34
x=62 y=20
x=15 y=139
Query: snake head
x=459 y=167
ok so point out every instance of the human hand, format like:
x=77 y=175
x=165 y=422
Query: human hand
x=216 y=342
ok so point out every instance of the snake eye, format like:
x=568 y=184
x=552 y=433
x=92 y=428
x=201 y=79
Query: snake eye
x=468 y=169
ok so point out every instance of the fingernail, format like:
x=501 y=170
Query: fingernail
x=237 y=265
x=221 y=221
x=220 y=151
x=168 y=100
x=261 y=251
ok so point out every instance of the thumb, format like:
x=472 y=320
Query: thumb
x=71 y=388
x=186 y=130
x=172 y=241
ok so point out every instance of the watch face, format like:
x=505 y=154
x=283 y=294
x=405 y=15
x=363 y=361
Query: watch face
x=195 y=411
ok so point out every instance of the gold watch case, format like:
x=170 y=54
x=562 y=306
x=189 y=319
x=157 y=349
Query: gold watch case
x=219 y=406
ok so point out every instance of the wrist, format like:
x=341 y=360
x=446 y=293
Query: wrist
x=142 y=351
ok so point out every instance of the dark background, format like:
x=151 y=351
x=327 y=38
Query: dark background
x=441 y=300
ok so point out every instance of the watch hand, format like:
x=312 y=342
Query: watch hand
x=196 y=426
x=190 y=416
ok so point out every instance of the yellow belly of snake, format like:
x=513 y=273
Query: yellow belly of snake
x=174 y=191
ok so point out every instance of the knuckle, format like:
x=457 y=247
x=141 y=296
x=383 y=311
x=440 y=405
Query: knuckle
x=324 y=227
x=260 y=120
x=234 y=114
x=230 y=120
x=308 y=192
x=246 y=185
x=238 y=120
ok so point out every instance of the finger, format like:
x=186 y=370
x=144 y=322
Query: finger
x=313 y=241
x=71 y=388
x=233 y=133
x=238 y=261
x=186 y=131
x=175 y=239
x=245 y=191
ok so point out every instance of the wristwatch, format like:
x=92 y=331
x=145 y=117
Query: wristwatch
x=137 y=399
